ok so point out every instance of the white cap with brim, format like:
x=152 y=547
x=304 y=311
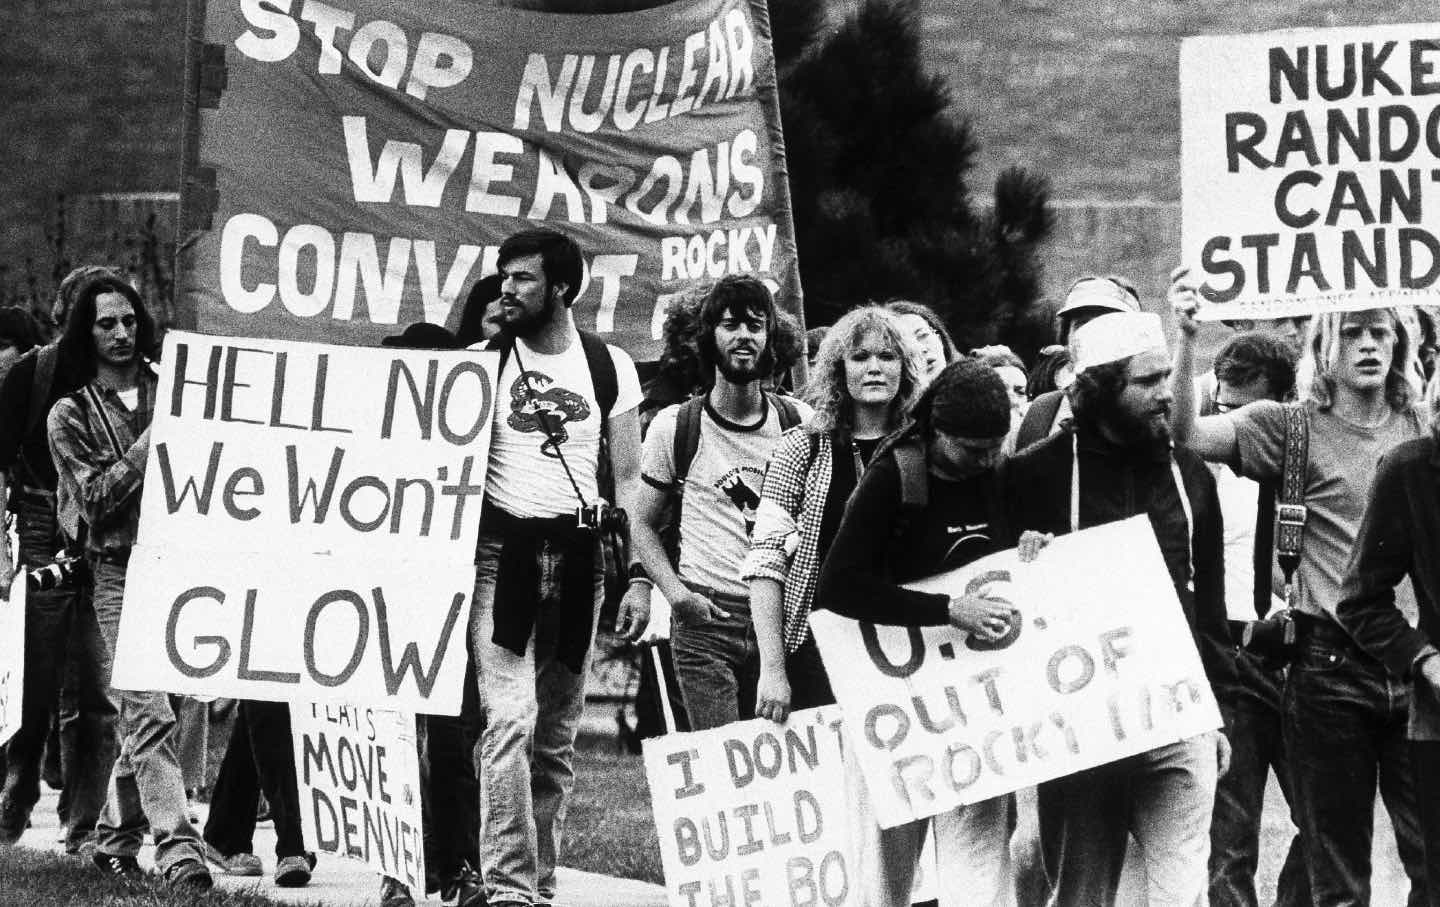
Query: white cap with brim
x=1098 y=293
x=1116 y=336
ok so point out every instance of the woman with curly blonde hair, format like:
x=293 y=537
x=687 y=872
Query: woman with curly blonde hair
x=864 y=381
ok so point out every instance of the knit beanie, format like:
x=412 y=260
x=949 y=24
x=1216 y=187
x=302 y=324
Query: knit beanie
x=968 y=400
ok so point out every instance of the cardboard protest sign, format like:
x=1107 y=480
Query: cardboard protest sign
x=308 y=523
x=752 y=813
x=1099 y=665
x=359 y=778
x=1310 y=165
x=12 y=658
x=354 y=165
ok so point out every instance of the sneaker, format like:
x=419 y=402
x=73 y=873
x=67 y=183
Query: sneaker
x=236 y=864
x=393 y=893
x=189 y=876
x=126 y=867
x=463 y=889
x=293 y=872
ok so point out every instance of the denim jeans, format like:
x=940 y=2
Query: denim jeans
x=530 y=707
x=1345 y=720
x=62 y=642
x=972 y=851
x=717 y=664
x=1164 y=797
x=148 y=787
x=259 y=757
x=1425 y=756
x=1253 y=714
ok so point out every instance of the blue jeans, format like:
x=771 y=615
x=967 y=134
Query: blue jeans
x=62 y=642
x=530 y=707
x=148 y=787
x=1253 y=715
x=1164 y=797
x=717 y=664
x=1345 y=720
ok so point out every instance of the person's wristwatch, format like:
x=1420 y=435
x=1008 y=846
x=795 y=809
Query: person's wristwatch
x=638 y=574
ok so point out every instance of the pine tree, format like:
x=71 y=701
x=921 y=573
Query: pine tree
x=878 y=171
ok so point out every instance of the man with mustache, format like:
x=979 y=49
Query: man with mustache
x=1345 y=713
x=539 y=580
x=100 y=438
x=733 y=428
x=1115 y=461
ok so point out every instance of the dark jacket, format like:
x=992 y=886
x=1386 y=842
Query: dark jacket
x=1399 y=536
x=1120 y=482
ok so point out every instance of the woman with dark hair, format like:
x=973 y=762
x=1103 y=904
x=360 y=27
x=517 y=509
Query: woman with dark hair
x=19 y=333
x=864 y=381
x=480 y=319
x=932 y=341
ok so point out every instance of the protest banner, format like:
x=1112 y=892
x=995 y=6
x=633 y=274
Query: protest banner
x=755 y=813
x=1310 y=165
x=308 y=523
x=359 y=778
x=354 y=165
x=12 y=658
x=1099 y=664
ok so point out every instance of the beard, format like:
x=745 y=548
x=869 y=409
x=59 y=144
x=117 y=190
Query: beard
x=526 y=324
x=739 y=374
x=1129 y=428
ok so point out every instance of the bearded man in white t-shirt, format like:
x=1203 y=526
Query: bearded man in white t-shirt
x=538 y=583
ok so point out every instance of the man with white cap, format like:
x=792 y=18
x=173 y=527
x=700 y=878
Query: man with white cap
x=1114 y=461
x=1088 y=299
x=1345 y=713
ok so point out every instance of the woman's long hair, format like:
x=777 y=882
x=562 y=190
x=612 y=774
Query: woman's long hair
x=829 y=393
x=1322 y=348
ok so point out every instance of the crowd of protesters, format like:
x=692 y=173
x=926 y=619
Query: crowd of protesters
x=1301 y=557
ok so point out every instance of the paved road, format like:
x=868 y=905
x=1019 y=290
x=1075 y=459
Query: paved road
x=339 y=883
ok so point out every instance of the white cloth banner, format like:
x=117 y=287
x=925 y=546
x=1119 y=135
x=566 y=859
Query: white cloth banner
x=1099 y=665
x=359 y=776
x=1308 y=169
x=12 y=657
x=308 y=523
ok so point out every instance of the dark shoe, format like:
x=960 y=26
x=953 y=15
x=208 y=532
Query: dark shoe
x=292 y=872
x=124 y=867
x=189 y=876
x=393 y=893
x=463 y=889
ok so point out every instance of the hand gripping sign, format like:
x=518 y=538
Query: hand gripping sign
x=1099 y=665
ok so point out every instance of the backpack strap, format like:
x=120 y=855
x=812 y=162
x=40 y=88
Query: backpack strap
x=1290 y=511
x=46 y=359
x=687 y=438
x=602 y=373
x=785 y=406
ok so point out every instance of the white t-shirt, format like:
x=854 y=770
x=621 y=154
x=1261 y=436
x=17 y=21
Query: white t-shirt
x=526 y=477
x=1239 y=501
x=722 y=489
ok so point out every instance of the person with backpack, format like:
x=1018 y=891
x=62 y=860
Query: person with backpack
x=866 y=377
x=703 y=465
x=1114 y=461
x=929 y=503
x=1345 y=712
x=565 y=412
x=63 y=642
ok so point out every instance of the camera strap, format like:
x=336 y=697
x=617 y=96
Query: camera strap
x=544 y=420
x=1290 y=510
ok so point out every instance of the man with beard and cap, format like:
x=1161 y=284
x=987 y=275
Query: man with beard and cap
x=1112 y=462
x=709 y=455
x=565 y=409
x=1088 y=299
